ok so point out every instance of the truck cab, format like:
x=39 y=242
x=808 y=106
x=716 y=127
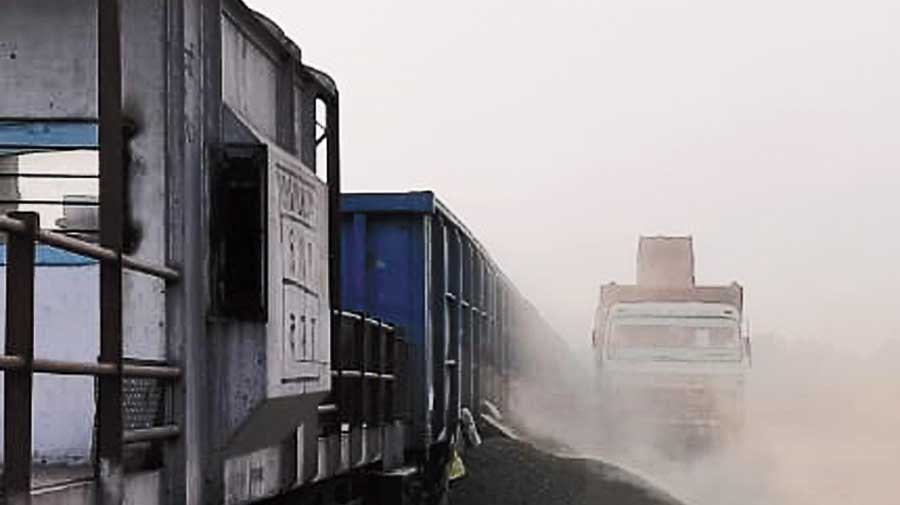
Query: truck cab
x=675 y=332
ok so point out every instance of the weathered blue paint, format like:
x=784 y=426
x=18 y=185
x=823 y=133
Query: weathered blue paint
x=383 y=268
x=384 y=274
x=28 y=136
x=357 y=251
x=52 y=257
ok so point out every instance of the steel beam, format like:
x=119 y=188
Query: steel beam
x=17 y=385
x=108 y=465
x=333 y=157
x=175 y=464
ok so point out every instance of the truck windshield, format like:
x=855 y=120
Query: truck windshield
x=675 y=338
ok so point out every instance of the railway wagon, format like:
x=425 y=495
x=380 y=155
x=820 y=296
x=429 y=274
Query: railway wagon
x=408 y=259
x=211 y=348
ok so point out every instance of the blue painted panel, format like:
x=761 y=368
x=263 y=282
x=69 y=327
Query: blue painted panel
x=386 y=249
x=383 y=275
x=354 y=260
x=414 y=202
x=52 y=257
x=391 y=271
x=25 y=136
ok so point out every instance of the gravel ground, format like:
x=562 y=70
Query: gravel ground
x=508 y=472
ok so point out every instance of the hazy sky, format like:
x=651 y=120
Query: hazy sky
x=560 y=131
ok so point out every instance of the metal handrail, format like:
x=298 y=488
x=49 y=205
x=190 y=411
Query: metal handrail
x=327 y=408
x=54 y=175
x=48 y=201
x=19 y=364
x=356 y=374
x=51 y=366
x=90 y=250
x=153 y=433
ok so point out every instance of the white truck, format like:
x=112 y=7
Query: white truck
x=671 y=356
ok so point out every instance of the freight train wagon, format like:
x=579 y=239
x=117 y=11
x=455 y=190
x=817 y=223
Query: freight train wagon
x=408 y=259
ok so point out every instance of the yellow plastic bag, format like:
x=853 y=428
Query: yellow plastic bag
x=457 y=469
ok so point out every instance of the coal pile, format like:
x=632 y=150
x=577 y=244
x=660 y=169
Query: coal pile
x=504 y=471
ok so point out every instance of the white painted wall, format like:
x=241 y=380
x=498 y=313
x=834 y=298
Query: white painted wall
x=67 y=327
x=49 y=56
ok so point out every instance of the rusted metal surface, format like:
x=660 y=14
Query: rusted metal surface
x=108 y=467
x=17 y=386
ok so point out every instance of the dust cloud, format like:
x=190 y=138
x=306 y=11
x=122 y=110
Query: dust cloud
x=820 y=427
